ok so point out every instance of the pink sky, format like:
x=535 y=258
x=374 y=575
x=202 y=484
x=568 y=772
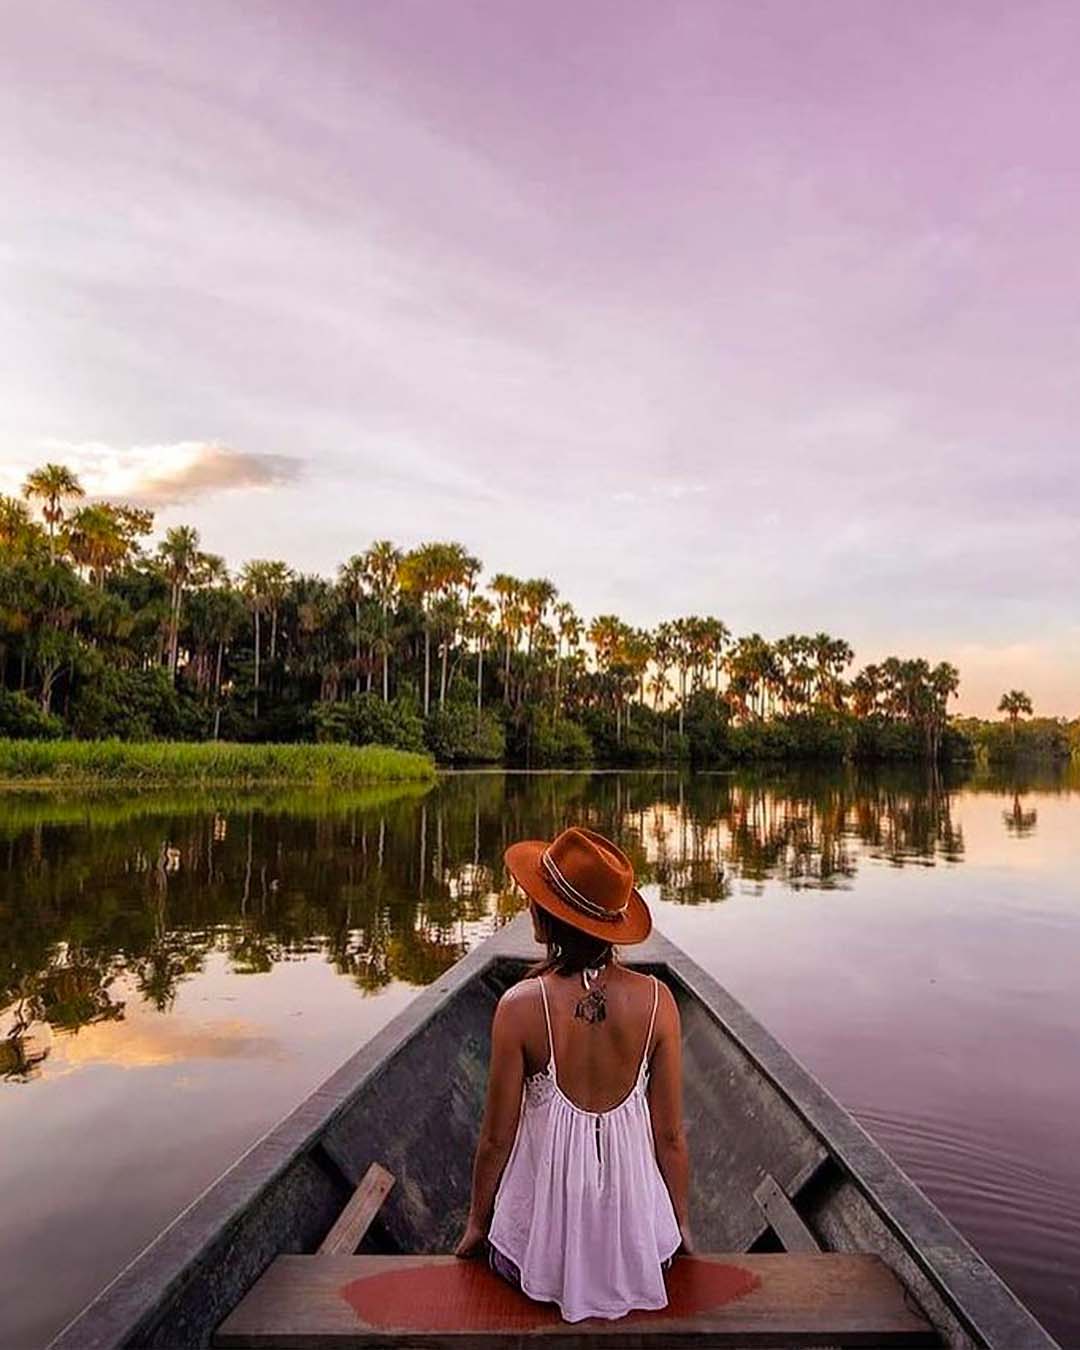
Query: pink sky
x=768 y=310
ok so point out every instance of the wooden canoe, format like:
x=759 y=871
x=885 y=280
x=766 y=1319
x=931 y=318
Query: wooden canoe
x=778 y=1166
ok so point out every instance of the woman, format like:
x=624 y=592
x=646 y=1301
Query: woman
x=580 y=1179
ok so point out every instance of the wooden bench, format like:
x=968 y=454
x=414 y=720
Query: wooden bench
x=782 y=1299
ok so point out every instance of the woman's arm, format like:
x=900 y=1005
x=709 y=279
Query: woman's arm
x=665 y=1108
x=506 y=1077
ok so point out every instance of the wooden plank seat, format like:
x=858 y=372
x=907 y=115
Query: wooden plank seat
x=775 y=1299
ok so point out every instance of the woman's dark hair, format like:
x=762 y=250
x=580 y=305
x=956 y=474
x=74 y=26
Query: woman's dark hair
x=569 y=950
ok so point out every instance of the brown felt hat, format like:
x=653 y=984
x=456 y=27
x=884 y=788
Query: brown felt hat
x=586 y=881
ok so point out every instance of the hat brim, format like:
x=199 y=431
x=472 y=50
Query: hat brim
x=632 y=926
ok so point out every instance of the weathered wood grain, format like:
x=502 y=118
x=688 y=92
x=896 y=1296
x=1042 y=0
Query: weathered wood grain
x=823 y=1299
x=355 y=1219
x=783 y=1217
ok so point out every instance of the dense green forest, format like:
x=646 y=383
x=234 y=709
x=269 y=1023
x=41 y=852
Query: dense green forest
x=103 y=635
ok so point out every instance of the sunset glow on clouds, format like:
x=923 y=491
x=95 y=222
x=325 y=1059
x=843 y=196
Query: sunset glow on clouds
x=763 y=310
x=159 y=476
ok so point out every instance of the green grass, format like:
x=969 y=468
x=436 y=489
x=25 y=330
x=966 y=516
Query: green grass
x=138 y=764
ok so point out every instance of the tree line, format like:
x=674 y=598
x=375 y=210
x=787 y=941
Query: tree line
x=103 y=634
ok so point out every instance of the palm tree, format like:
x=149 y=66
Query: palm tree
x=180 y=557
x=16 y=528
x=103 y=537
x=507 y=591
x=866 y=691
x=278 y=577
x=636 y=653
x=478 y=627
x=663 y=655
x=421 y=574
x=353 y=578
x=684 y=651
x=944 y=683
x=568 y=629
x=52 y=484
x=225 y=619
x=254 y=582
x=381 y=564
x=715 y=637
x=457 y=571
x=1016 y=703
x=609 y=636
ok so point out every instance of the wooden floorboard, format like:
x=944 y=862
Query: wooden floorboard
x=788 y=1299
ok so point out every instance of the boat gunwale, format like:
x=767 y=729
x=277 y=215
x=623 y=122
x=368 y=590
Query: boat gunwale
x=921 y=1227
x=128 y=1304
x=179 y=1244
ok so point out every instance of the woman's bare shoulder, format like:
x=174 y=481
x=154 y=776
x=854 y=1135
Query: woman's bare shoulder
x=524 y=989
x=519 y=996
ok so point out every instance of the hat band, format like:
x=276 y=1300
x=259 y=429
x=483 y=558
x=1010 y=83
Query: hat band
x=573 y=896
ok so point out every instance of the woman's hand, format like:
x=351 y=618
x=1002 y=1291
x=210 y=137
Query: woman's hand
x=472 y=1241
x=687 y=1246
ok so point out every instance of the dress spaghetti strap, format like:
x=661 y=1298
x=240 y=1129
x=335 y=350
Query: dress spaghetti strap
x=547 y=1019
x=652 y=1021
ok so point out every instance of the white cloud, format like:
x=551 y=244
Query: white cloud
x=157 y=476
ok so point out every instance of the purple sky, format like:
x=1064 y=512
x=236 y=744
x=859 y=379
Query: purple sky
x=768 y=310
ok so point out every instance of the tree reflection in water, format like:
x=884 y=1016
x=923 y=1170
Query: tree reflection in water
x=394 y=885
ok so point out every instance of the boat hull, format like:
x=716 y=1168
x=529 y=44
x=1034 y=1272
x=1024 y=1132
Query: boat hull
x=411 y=1100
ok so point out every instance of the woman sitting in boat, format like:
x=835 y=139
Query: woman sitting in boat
x=580 y=1180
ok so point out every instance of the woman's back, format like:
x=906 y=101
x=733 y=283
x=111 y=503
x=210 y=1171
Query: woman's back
x=598 y=1057
x=582 y=1209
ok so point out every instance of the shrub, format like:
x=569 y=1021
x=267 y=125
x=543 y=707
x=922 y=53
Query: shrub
x=558 y=743
x=366 y=720
x=22 y=719
x=456 y=735
x=1040 y=738
x=128 y=705
x=706 y=735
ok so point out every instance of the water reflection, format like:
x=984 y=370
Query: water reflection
x=102 y=901
x=1019 y=819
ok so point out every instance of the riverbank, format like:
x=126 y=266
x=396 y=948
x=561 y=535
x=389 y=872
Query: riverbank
x=205 y=764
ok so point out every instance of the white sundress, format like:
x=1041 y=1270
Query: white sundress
x=582 y=1209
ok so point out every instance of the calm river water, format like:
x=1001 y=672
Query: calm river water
x=177 y=973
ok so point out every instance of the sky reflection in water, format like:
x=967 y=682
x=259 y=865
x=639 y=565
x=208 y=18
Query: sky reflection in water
x=177 y=972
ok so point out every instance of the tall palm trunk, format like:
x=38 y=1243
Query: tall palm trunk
x=257 y=645
x=385 y=657
x=479 y=681
x=217 y=687
x=442 y=676
x=506 y=673
x=356 y=646
x=174 y=627
x=427 y=667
